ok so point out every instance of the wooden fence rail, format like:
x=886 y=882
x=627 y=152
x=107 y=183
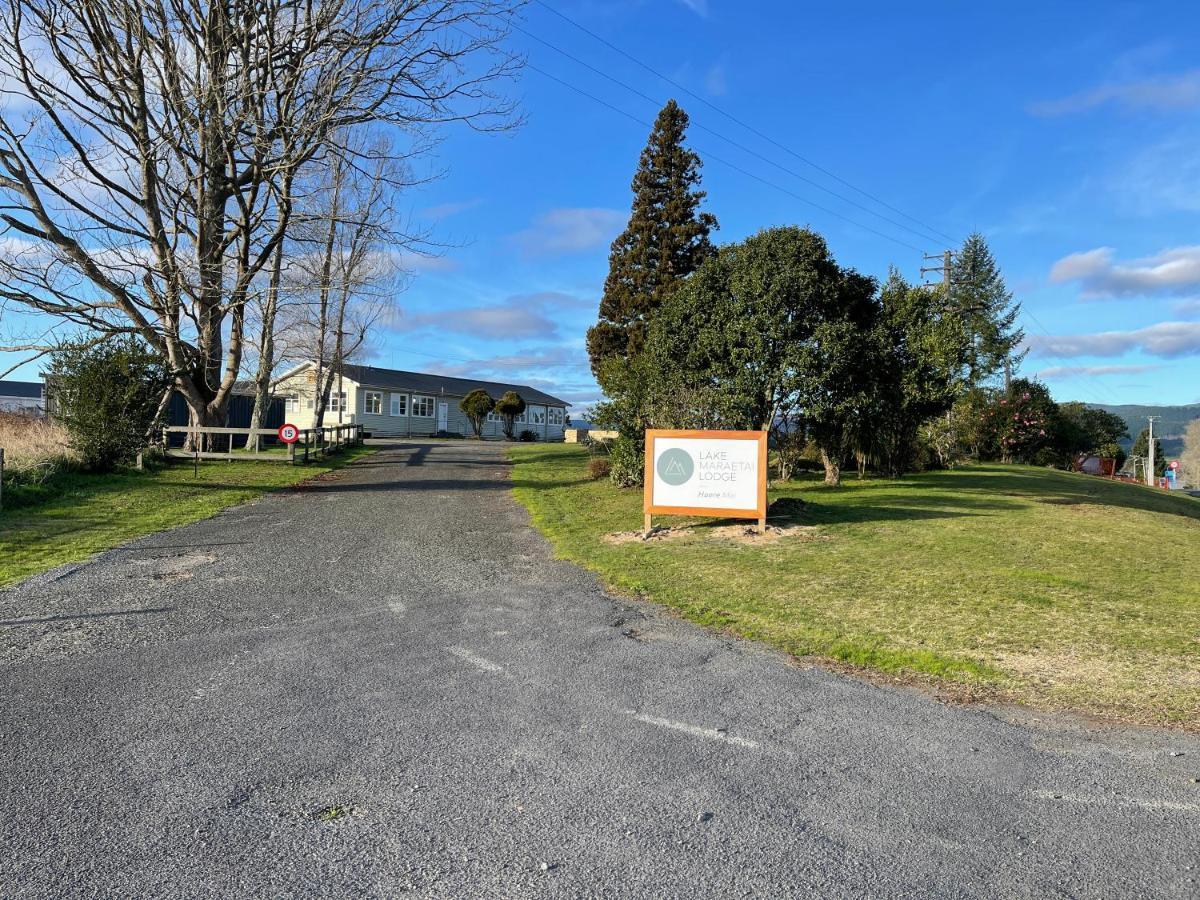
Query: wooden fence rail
x=312 y=443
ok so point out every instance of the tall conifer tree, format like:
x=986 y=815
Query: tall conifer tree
x=980 y=295
x=667 y=238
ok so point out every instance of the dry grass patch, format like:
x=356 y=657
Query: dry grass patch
x=34 y=447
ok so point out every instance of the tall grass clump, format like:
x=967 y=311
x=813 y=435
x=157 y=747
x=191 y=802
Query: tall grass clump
x=35 y=449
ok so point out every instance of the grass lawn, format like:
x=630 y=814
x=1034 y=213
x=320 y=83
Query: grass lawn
x=86 y=514
x=1006 y=582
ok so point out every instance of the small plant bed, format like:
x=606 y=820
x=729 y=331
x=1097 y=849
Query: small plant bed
x=1010 y=583
x=76 y=515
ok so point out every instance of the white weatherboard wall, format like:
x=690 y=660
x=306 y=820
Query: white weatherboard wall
x=724 y=473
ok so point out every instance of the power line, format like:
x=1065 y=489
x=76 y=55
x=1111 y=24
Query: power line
x=745 y=149
x=729 y=164
x=741 y=123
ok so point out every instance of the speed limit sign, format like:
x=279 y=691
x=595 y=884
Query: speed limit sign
x=289 y=433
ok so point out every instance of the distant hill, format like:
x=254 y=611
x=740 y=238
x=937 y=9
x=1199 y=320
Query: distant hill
x=1169 y=429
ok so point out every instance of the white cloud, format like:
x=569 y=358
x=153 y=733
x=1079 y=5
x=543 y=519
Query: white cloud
x=418 y=263
x=570 y=230
x=1164 y=93
x=1173 y=271
x=716 y=82
x=1167 y=340
x=519 y=316
x=699 y=7
x=511 y=365
x=446 y=210
x=1162 y=176
x=1072 y=371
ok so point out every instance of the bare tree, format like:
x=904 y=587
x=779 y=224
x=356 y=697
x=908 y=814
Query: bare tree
x=149 y=149
x=351 y=275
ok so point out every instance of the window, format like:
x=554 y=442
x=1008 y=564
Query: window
x=291 y=404
x=399 y=404
x=337 y=402
x=538 y=415
x=520 y=420
x=556 y=416
x=373 y=403
x=422 y=406
x=310 y=404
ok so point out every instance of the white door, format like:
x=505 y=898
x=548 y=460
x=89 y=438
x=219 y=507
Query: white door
x=443 y=414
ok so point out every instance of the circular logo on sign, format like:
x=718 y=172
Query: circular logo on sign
x=289 y=433
x=675 y=466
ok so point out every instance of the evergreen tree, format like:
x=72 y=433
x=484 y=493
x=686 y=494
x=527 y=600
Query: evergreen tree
x=667 y=238
x=978 y=293
x=920 y=348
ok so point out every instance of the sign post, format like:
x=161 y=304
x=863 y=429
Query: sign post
x=289 y=434
x=698 y=473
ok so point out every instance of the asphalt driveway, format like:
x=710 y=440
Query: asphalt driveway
x=384 y=685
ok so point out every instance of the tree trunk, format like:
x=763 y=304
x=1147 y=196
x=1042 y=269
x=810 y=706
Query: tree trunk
x=266 y=350
x=833 y=471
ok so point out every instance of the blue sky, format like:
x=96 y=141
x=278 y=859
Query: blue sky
x=1068 y=133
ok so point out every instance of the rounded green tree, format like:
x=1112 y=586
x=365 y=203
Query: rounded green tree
x=475 y=406
x=509 y=406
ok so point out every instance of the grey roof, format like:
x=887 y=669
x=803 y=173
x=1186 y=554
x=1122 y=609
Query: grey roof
x=421 y=383
x=31 y=389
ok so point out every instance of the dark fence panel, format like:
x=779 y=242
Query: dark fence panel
x=241 y=407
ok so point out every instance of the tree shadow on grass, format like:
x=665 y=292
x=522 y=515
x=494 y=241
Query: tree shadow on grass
x=1053 y=487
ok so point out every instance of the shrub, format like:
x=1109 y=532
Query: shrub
x=528 y=436
x=107 y=397
x=627 y=458
x=599 y=467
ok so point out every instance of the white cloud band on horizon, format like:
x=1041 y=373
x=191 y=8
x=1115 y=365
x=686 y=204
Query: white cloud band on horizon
x=1165 y=340
x=1091 y=371
x=1175 y=270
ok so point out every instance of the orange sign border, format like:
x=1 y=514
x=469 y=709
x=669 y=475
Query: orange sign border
x=648 y=507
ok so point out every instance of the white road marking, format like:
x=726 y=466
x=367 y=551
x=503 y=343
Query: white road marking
x=396 y=605
x=1138 y=802
x=709 y=734
x=478 y=661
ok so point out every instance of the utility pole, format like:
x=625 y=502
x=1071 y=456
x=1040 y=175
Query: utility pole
x=947 y=258
x=1150 y=453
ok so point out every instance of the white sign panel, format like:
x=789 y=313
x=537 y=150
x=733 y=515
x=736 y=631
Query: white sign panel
x=692 y=472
